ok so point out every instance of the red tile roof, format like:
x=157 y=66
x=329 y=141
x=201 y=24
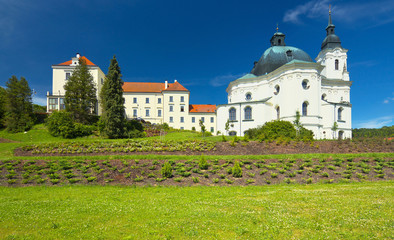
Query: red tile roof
x=87 y=61
x=147 y=87
x=143 y=87
x=176 y=86
x=203 y=108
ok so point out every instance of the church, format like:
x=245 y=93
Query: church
x=286 y=80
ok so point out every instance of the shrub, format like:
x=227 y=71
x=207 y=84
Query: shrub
x=237 y=170
x=166 y=170
x=203 y=164
x=196 y=179
x=60 y=123
x=215 y=180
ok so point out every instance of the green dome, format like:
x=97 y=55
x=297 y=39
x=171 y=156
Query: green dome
x=277 y=56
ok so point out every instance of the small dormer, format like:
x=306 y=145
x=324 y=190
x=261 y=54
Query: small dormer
x=75 y=60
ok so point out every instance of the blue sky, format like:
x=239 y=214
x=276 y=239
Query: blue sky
x=203 y=44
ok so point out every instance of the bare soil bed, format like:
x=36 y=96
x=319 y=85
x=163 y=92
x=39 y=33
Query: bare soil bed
x=254 y=148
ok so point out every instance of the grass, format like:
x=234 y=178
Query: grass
x=336 y=211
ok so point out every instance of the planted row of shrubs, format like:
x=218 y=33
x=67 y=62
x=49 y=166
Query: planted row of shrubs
x=197 y=171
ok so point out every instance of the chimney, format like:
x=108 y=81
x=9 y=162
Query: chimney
x=165 y=84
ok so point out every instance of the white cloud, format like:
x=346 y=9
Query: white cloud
x=375 y=123
x=370 y=14
x=388 y=100
x=224 y=79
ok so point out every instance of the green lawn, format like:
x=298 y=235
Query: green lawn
x=337 y=211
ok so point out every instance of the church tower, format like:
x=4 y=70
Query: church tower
x=335 y=86
x=332 y=55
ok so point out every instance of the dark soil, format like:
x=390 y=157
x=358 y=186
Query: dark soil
x=263 y=148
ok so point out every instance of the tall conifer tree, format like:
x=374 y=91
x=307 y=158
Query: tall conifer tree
x=112 y=103
x=18 y=105
x=80 y=98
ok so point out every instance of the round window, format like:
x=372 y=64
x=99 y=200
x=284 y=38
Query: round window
x=248 y=96
x=305 y=84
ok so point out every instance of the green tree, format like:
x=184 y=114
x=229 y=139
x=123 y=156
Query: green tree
x=18 y=105
x=227 y=126
x=80 y=98
x=297 y=123
x=202 y=127
x=112 y=103
x=3 y=95
x=334 y=129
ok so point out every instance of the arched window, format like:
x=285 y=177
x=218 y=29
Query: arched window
x=305 y=109
x=340 y=110
x=277 y=112
x=336 y=64
x=232 y=114
x=248 y=113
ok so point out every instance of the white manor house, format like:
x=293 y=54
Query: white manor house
x=285 y=80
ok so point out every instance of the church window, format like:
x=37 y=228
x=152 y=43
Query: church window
x=323 y=97
x=305 y=109
x=248 y=96
x=305 y=84
x=336 y=64
x=248 y=113
x=277 y=112
x=68 y=76
x=232 y=114
x=277 y=89
x=340 y=110
x=279 y=42
x=289 y=53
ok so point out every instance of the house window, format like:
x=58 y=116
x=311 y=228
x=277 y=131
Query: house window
x=53 y=104
x=232 y=114
x=159 y=113
x=202 y=119
x=182 y=128
x=277 y=112
x=305 y=109
x=171 y=108
x=248 y=96
x=336 y=64
x=171 y=99
x=340 y=110
x=159 y=100
x=212 y=129
x=182 y=119
x=68 y=75
x=248 y=113
x=135 y=100
x=147 y=100
x=212 y=119
x=193 y=119
x=182 y=108
x=135 y=113
x=232 y=133
x=61 y=103
x=102 y=81
x=171 y=119
x=305 y=84
x=182 y=99
x=147 y=112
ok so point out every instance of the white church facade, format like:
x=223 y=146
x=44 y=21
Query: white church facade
x=286 y=80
